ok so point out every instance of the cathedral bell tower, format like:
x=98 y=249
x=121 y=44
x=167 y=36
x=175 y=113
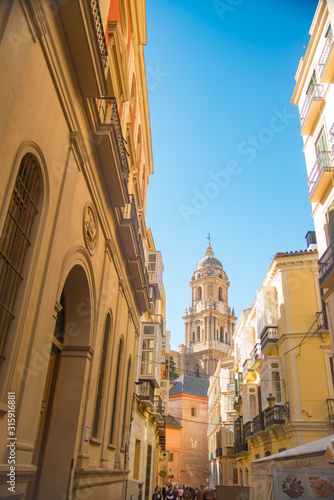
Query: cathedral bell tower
x=209 y=322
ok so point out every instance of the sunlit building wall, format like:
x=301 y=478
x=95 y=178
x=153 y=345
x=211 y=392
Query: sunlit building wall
x=314 y=96
x=76 y=157
x=280 y=401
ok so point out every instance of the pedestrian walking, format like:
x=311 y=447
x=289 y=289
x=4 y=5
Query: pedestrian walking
x=157 y=495
x=170 y=494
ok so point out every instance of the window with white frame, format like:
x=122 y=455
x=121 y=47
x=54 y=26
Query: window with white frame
x=249 y=402
x=228 y=435
x=271 y=381
x=228 y=406
x=147 y=357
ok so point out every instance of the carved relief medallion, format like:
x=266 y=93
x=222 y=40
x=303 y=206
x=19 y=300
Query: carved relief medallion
x=90 y=227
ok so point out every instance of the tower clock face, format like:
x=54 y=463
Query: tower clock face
x=198 y=307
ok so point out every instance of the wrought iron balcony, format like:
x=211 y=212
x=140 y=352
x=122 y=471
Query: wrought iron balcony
x=108 y=112
x=330 y=408
x=145 y=393
x=248 y=429
x=108 y=140
x=311 y=108
x=134 y=252
x=268 y=338
x=326 y=61
x=99 y=31
x=84 y=34
x=258 y=423
x=214 y=423
x=321 y=175
x=326 y=267
x=255 y=356
x=240 y=446
x=277 y=415
x=158 y=407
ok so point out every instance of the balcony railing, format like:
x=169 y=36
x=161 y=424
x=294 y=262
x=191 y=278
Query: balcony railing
x=99 y=31
x=269 y=336
x=158 y=407
x=324 y=163
x=214 y=423
x=330 y=408
x=255 y=355
x=326 y=265
x=145 y=393
x=331 y=137
x=248 y=429
x=240 y=446
x=315 y=93
x=109 y=115
x=129 y=212
x=276 y=416
x=325 y=55
x=258 y=423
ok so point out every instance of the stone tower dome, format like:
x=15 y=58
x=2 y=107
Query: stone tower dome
x=209 y=321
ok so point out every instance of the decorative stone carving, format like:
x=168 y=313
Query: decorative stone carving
x=90 y=228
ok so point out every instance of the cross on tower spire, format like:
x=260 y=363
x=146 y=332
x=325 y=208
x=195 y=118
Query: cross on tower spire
x=209 y=238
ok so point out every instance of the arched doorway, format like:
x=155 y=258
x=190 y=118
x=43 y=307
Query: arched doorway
x=59 y=426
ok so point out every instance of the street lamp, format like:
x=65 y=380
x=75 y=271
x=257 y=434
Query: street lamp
x=271 y=400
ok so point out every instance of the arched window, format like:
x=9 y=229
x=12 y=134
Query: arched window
x=116 y=393
x=126 y=405
x=220 y=293
x=198 y=334
x=197 y=371
x=16 y=239
x=221 y=335
x=199 y=293
x=193 y=337
x=102 y=370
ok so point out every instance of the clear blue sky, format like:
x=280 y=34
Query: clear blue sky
x=227 y=149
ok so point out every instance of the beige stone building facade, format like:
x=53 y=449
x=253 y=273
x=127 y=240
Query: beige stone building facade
x=76 y=157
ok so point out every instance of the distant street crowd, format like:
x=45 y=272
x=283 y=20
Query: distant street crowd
x=170 y=492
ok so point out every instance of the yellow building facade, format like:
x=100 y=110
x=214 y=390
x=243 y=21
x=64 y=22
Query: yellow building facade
x=76 y=157
x=282 y=365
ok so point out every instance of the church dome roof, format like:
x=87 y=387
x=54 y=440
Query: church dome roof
x=209 y=261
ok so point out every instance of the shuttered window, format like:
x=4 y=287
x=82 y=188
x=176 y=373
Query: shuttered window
x=16 y=240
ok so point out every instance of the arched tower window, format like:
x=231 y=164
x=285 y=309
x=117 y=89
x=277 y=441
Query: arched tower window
x=198 y=334
x=199 y=293
x=220 y=294
x=196 y=371
x=16 y=238
x=193 y=336
x=221 y=334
